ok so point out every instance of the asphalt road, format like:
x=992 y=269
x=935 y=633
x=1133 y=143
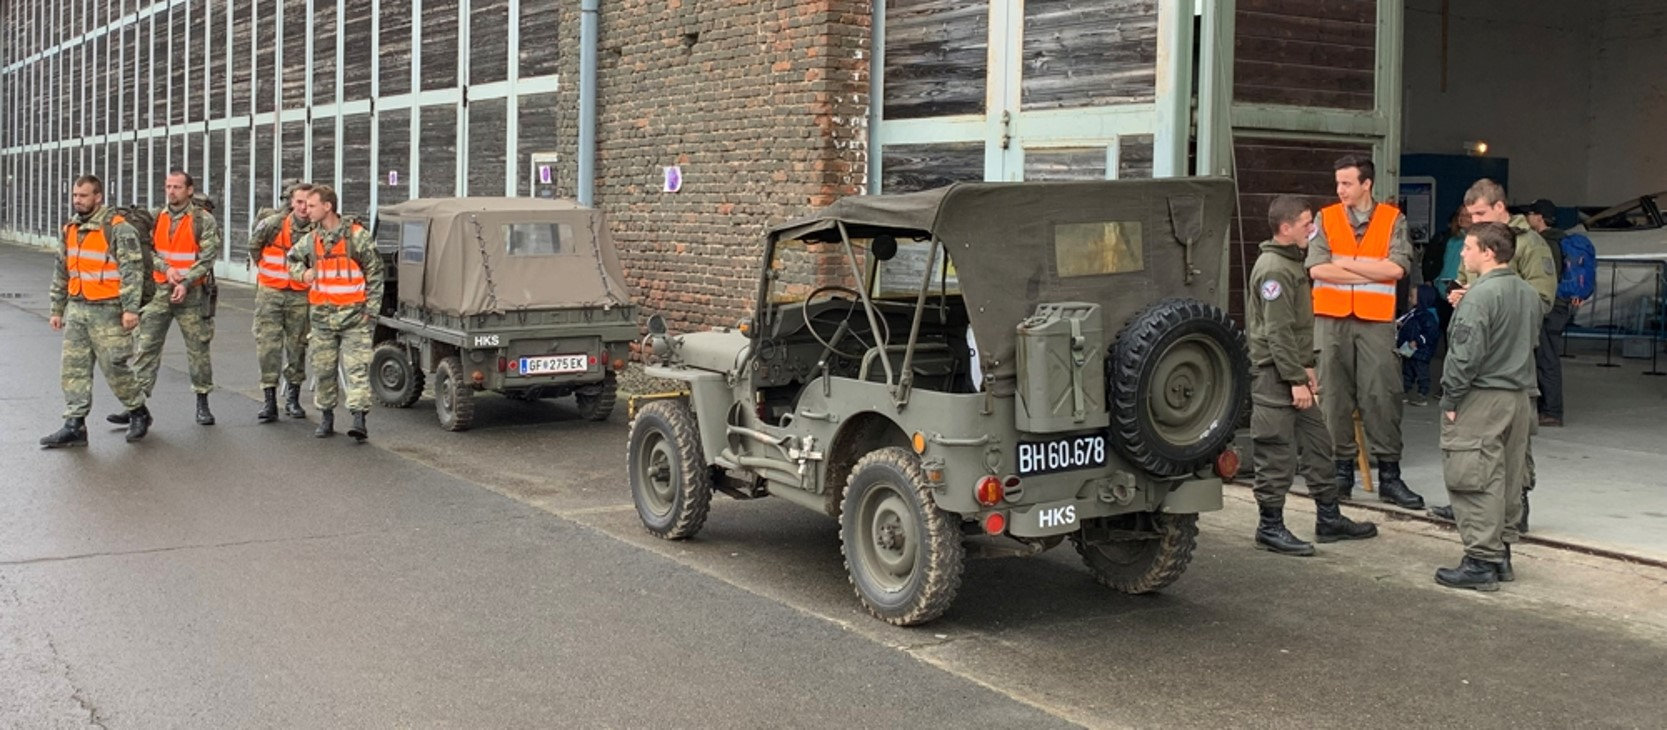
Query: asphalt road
x=250 y=575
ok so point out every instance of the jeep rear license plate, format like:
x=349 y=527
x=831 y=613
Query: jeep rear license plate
x=1061 y=454
x=554 y=364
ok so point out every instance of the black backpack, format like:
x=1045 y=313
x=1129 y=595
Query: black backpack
x=143 y=224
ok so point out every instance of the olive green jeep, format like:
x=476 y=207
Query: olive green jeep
x=984 y=369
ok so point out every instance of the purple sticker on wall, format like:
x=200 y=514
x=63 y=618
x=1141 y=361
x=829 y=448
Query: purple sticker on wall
x=674 y=179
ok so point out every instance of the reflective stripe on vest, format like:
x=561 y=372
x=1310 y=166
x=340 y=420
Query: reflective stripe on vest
x=338 y=280
x=273 y=271
x=179 y=249
x=1375 y=301
x=93 y=274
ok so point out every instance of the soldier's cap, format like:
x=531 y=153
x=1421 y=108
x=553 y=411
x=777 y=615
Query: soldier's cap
x=1545 y=208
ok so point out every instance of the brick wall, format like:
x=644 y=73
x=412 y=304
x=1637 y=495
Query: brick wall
x=763 y=103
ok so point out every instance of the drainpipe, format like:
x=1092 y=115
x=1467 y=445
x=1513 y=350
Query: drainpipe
x=588 y=11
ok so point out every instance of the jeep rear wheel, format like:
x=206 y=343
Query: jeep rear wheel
x=1178 y=384
x=393 y=379
x=670 y=483
x=1140 y=564
x=903 y=554
x=454 y=400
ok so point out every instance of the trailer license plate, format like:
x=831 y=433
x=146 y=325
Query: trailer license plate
x=554 y=364
x=1061 y=454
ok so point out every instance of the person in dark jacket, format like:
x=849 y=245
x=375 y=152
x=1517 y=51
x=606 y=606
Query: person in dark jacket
x=1419 y=331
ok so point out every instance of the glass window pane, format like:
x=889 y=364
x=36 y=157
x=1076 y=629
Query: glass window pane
x=1096 y=248
x=413 y=242
x=537 y=239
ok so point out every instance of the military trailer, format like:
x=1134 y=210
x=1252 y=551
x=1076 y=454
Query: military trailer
x=983 y=370
x=519 y=296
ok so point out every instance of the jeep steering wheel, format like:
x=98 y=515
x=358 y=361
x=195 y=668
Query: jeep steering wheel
x=856 y=299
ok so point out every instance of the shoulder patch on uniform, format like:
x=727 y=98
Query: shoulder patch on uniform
x=1270 y=290
x=1460 y=333
x=1550 y=267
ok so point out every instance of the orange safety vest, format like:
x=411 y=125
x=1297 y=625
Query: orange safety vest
x=338 y=281
x=92 y=270
x=274 y=265
x=179 y=250
x=1375 y=301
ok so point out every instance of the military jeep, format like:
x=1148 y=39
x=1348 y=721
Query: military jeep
x=937 y=371
x=519 y=296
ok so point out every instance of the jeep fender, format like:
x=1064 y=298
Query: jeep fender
x=709 y=396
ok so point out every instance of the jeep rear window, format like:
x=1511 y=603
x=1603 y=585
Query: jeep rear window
x=413 y=241
x=1097 y=248
x=537 y=239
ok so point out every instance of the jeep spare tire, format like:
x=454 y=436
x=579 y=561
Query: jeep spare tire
x=1178 y=384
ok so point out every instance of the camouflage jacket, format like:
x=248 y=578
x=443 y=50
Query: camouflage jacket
x=266 y=230
x=360 y=247
x=124 y=245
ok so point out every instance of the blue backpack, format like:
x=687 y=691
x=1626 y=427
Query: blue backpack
x=1580 y=268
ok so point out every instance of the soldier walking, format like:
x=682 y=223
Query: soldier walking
x=1285 y=426
x=1361 y=250
x=1534 y=263
x=281 y=305
x=185 y=242
x=339 y=260
x=97 y=291
x=1486 y=384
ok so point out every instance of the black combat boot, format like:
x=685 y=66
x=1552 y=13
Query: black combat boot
x=1330 y=525
x=1272 y=535
x=1345 y=478
x=1474 y=574
x=1391 y=489
x=138 y=423
x=269 y=406
x=204 y=417
x=120 y=419
x=74 y=433
x=358 y=430
x=1504 y=572
x=1443 y=513
x=326 y=423
x=1522 y=525
x=292 y=401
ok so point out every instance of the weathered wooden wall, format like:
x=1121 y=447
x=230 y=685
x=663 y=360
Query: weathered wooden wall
x=1081 y=53
x=439 y=38
x=936 y=58
x=1305 y=52
x=487 y=122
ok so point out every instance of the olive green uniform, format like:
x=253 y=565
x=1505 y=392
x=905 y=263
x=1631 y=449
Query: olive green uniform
x=1358 y=367
x=1487 y=379
x=93 y=331
x=196 y=322
x=1279 y=319
x=342 y=335
x=281 y=315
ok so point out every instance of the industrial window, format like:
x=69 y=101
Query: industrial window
x=537 y=239
x=1100 y=247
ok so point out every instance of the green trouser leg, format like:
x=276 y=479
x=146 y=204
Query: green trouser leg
x=1358 y=370
x=1481 y=451
x=93 y=333
x=280 y=328
x=341 y=338
x=1287 y=441
x=196 y=329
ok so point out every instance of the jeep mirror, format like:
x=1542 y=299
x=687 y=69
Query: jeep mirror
x=884 y=247
x=656 y=325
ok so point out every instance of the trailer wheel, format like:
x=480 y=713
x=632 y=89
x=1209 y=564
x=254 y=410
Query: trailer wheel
x=394 y=380
x=454 y=400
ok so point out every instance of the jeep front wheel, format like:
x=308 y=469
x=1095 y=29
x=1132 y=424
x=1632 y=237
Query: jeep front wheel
x=1132 y=562
x=670 y=483
x=1178 y=383
x=903 y=554
x=454 y=400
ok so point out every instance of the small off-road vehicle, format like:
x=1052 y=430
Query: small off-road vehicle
x=933 y=370
x=520 y=296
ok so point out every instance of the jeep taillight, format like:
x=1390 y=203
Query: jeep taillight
x=989 y=491
x=995 y=524
x=1227 y=464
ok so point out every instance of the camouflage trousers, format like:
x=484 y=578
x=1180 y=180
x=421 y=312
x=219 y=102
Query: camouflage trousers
x=281 y=335
x=93 y=333
x=197 y=330
x=341 y=336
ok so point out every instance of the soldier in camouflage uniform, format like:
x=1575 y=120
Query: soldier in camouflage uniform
x=280 y=305
x=339 y=260
x=183 y=257
x=97 y=291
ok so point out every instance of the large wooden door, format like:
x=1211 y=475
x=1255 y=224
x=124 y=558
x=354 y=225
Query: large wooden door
x=1029 y=89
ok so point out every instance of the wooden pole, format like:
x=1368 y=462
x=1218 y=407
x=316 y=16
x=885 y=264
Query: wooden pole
x=1362 y=460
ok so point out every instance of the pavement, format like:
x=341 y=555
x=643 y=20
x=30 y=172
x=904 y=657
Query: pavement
x=250 y=575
